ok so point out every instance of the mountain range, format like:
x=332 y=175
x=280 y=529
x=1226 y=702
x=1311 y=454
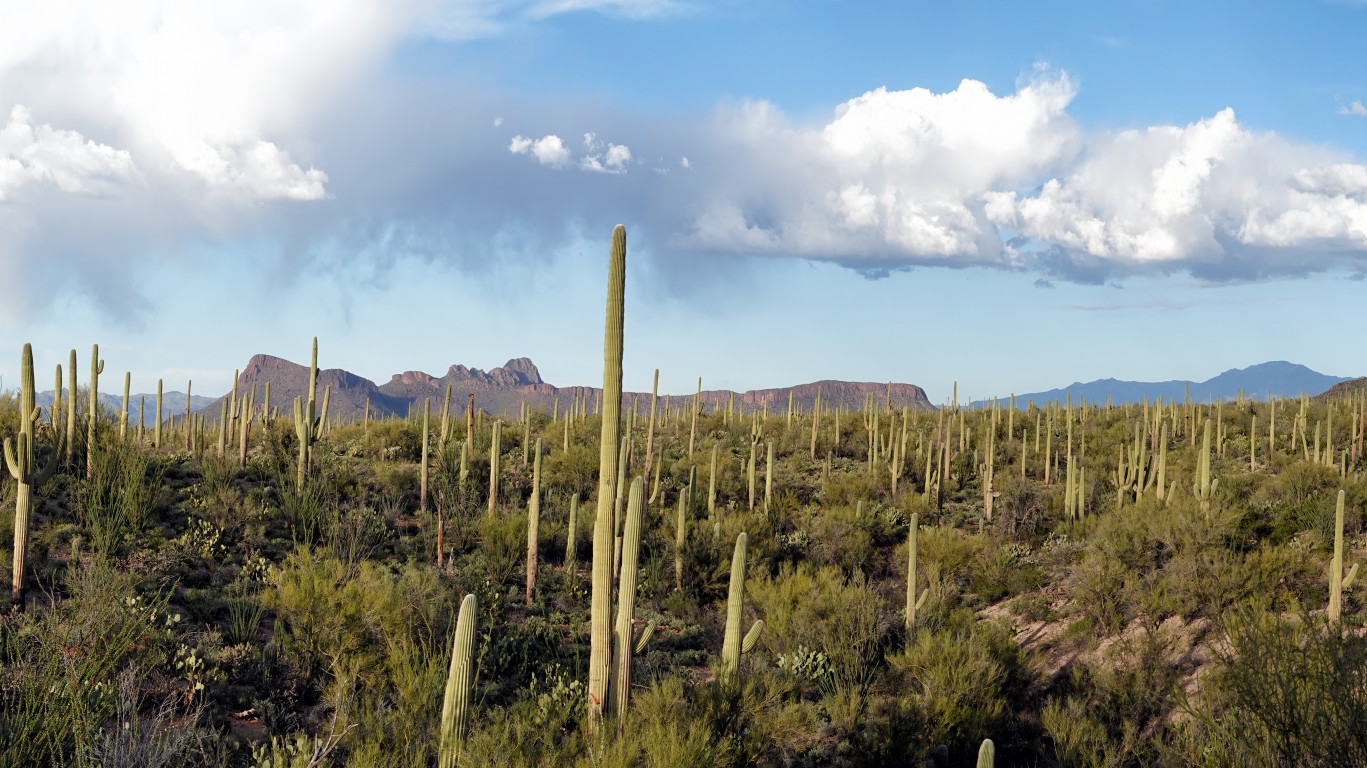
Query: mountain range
x=1278 y=378
x=503 y=390
x=172 y=403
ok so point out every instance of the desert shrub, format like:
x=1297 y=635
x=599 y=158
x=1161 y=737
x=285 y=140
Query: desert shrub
x=846 y=489
x=1286 y=690
x=307 y=512
x=960 y=683
x=954 y=553
x=376 y=641
x=1112 y=711
x=356 y=533
x=843 y=618
x=837 y=539
x=62 y=667
x=118 y=500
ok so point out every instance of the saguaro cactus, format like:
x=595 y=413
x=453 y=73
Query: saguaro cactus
x=422 y=482
x=156 y=427
x=768 y=475
x=680 y=538
x=307 y=423
x=987 y=754
x=494 y=450
x=123 y=414
x=712 y=488
x=1205 y=486
x=71 y=410
x=470 y=421
x=620 y=690
x=650 y=428
x=571 y=539
x=915 y=598
x=244 y=428
x=732 y=643
x=455 y=706
x=533 y=522
x=55 y=412
x=20 y=459
x=751 y=472
x=693 y=426
x=600 y=611
x=1338 y=581
x=93 y=417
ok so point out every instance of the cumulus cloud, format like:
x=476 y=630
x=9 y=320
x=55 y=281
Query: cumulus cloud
x=547 y=150
x=1211 y=197
x=612 y=158
x=42 y=154
x=598 y=156
x=895 y=177
x=967 y=177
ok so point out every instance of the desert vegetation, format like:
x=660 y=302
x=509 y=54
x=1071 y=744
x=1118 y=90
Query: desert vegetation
x=675 y=583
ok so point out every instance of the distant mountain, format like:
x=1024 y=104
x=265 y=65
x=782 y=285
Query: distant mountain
x=172 y=403
x=1278 y=378
x=290 y=380
x=504 y=389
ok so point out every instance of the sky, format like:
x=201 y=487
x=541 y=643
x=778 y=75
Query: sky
x=1011 y=196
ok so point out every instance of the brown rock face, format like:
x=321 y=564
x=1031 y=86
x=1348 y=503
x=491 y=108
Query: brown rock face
x=1345 y=388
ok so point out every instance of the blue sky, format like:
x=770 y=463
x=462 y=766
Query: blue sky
x=1013 y=196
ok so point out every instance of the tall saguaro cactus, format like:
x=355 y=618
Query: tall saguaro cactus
x=600 y=611
x=768 y=475
x=307 y=423
x=123 y=414
x=422 y=484
x=680 y=538
x=495 y=450
x=93 y=417
x=20 y=459
x=156 y=428
x=71 y=410
x=650 y=428
x=455 y=706
x=533 y=522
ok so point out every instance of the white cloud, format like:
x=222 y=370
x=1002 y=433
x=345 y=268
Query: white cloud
x=598 y=157
x=42 y=154
x=548 y=150
x=1211 y=194
x=216 y=91
x=1356 y=108
x=614 y=158
x=260 y=170
x=898 y=178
